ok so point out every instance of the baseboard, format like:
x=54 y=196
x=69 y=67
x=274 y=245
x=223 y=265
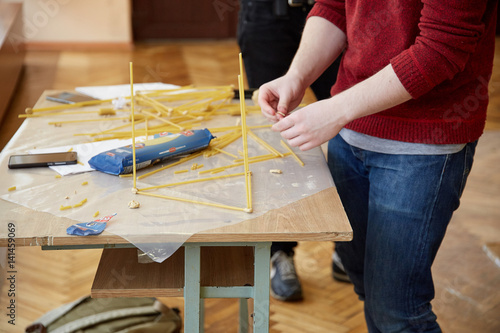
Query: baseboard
x=78 y=46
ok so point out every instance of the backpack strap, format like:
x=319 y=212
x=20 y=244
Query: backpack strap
x=44 y=321
x=105 y=316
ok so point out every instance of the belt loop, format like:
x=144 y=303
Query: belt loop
x=280 y=8
x=300 y=3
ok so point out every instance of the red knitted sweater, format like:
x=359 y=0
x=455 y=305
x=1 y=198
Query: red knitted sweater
x=442 y=52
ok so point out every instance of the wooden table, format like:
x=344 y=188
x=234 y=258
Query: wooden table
x=319 y=217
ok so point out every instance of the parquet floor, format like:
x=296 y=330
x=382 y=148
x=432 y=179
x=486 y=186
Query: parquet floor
x=467 y=280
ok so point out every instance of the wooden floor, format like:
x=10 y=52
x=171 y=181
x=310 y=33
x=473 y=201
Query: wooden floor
x=467 y=280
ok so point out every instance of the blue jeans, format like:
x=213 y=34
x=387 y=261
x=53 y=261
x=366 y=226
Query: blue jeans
x=399 y=207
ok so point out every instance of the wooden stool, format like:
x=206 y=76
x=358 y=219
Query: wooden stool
x=195 y=271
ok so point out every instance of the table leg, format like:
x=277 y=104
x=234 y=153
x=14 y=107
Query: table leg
x=261 y=287
x=243 y=316
x=192 y=322
x=202 y=315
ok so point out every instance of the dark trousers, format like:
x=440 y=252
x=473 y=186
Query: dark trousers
x=269 y=38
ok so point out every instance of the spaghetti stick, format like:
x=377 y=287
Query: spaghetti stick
x=192 y=181
x=37 y=115
x=224 y=152
x=291 y=152
x=108 y=131
x=77 y=205
x=255 y=158
x=244 y=133
x=67 y=106
x=163 y=120
x=86 y=120
x=263 y=158
x=134 y=166
x=226 y=139
x=194 y=201
x=245 y=142
x=265 y=144
x=121 y=126
x=194 y=103
x=193 y=93
x=232 y=128
x=163 y=109
x=182 y=160
x=249 y=180
x=214 y=170
x=114 y=133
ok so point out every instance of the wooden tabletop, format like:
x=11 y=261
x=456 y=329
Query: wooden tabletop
x=318 y=217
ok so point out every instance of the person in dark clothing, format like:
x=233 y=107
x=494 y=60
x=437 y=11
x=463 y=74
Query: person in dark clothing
x=269 y=33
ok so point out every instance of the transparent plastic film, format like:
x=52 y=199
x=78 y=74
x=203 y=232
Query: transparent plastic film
x=176 y=202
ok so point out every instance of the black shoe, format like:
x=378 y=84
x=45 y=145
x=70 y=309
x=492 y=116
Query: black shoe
x=338 y=272
x=285 y=285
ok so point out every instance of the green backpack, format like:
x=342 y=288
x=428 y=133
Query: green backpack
x=103 y=315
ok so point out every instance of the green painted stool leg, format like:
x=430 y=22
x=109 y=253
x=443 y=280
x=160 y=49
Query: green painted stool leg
x=261 y=287
x=243 y=328
x=192 y=321
x=202 y=315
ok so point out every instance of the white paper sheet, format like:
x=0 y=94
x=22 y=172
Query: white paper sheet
x=122 y=90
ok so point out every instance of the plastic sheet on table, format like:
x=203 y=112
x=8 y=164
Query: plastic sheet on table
x=160 y=226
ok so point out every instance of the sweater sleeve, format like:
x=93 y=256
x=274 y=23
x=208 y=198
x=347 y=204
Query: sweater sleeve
x=333 y=11
x=449 y=34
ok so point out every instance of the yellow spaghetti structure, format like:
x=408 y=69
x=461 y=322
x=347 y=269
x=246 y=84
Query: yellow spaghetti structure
x=134 y=166
x=292 y=152
x=193 y=201
x=192 y=181
x=244 y=137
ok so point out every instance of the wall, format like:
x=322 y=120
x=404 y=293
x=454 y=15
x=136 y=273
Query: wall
x=76 y=23
x=11 y=53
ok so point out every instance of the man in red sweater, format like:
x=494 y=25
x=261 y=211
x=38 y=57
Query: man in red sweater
x=403 y=121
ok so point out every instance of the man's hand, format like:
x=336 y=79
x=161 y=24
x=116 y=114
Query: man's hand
x=317 y=123
x=312 y=125
x=279 y=97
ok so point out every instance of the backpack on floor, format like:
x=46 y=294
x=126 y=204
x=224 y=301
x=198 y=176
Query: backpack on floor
x=113 y=315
